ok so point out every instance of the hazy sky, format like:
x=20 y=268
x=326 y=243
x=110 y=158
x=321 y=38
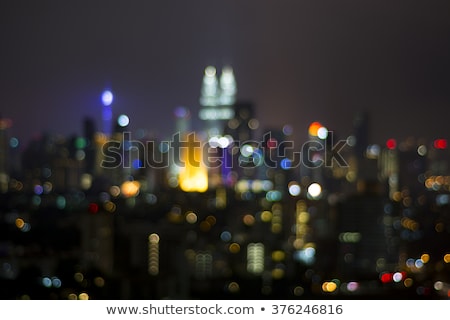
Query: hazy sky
x=298 y=60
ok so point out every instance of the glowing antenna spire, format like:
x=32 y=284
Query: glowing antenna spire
x=107 y=99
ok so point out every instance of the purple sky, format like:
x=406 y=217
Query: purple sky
x=298 y=60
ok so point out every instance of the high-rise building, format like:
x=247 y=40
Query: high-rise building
x=217 y=98
x=242 y=128
x=218 y=95
x=182 y=128
x=193 y=176
x=89 y=131
x=361 y=134
x=243 y=125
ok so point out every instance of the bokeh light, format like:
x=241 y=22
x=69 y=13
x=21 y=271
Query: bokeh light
x=294 y=189
x=391 y=144
x=107 y=98
x=123 y=120
x=315 y=190
x=314 y=128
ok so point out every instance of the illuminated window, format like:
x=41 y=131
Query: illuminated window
x=255 y=258
x=153 y=254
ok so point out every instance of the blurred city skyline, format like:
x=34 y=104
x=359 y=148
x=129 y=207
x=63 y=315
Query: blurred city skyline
x=224 y=212
x=231 y=149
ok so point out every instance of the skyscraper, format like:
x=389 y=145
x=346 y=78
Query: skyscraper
x=216 y=100
x=182 y=128
x=243 y=125
x=89 y=132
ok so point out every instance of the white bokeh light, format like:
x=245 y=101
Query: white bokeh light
x=123 y=120
x=314 y=190
x=294 y=189
x=322 y=133
x=107 y=98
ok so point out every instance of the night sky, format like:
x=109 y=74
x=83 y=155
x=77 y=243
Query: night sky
x=298 y=61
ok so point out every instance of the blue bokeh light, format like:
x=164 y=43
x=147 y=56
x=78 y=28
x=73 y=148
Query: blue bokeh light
x=107 y=98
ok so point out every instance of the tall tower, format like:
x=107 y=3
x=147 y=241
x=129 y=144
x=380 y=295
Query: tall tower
x=243 y=125
x=227 y=87
x=366 y=154
x=107 y=100
x=361 y=133
x=193 y=175
x=216 y=100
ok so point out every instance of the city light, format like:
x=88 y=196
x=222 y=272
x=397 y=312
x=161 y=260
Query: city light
x=191 y=217
x=153 y=254
x=447 y=258
x=193 y=176
x=313 y=129
x=386 y=277
x=352 y=286
x=314 y=190
x=440 y=144
x=123 y=120
x=294 y=188
x=391 y=144
x=130 y=188
x=322 y=133
x=107 y=98
x=83 y=296
x=181 y=112
x=329 y=286
x=255 y=258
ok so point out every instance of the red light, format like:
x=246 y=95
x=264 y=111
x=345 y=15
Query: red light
x=93 y=208
x=386 y=277
x=440 y=144
x=391 y=144
x=5 y=123
x=271 y=143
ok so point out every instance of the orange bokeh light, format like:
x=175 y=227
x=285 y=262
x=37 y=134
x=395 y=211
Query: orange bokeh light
x=314 y=128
